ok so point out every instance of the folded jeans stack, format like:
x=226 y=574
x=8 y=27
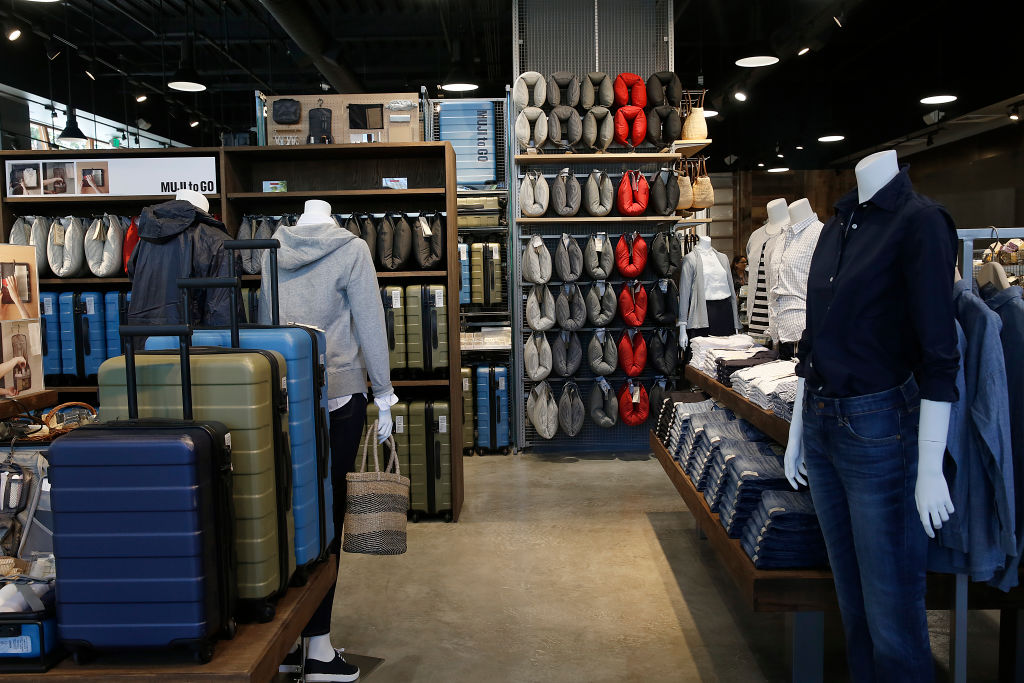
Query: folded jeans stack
x=704 y=443
x=747 y=477
x=722 y=452
x=696 y=426
x=783 y=533
x=682 y=412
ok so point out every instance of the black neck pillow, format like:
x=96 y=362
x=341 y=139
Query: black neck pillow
x=663 y=125
x=664 y=193
x=664 y=88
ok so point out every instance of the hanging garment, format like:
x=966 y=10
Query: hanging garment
x=531 y=128
x=599 y=256
x=131 y=240
x=632 y=353
x=570 y=309
x=568 y=259
x=529 y=90
x=666 y=254
x=598 y=194
x=631 y=255
x=65 y=247
x=597 y=90
x=634 y=404
x=664 y=193
x=32 y=231
x=787 y=286
x=537 y=357
x=394 y=243
x=565 y=128
x=693 y=302
x=664 y=352
x=633 y=304
x=250 y=259
x=427 y=240
x=664 y=88
x=534 y=195
x=634 y=193
x=604 y=405
x=602 y=354
x=630 y=126
x=103 y=242
x=760 y=247
x=536 y=261
x=601 y=304
x=566 y=194
x=598 y=129
x=540 y=308
x=630 y=89
x=663 y=302
x=542 y=410
x=571 y=410
x=566 y=354
x=563 y=89
x=663 y=125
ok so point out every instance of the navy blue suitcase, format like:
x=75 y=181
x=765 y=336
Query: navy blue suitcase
x=50 y=310
x=83 y=343
x=144 y=528
x=492 y=407
x=115 y=311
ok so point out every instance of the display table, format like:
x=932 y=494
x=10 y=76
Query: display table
x=40 y=399
x=253 y=655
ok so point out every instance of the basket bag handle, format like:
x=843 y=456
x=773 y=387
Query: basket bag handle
x=371 y=431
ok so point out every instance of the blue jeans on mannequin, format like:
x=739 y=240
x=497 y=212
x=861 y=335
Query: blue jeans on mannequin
x=861 y=458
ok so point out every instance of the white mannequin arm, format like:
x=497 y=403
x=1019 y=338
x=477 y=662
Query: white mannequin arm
x=683 y=340
x=384 y=425
x=796 y=471
x=931 y=494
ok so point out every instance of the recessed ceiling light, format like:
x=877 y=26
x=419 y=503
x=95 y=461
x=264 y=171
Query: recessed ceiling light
x=938 y=99
x=89 y=74
x=799 y=147
x=803 y=51
x=778 y=169
x=193 y=123
x=459 y=87
x=12 y=32
x=780 y=155
x=831 y=138
x=710 y=113
x=740 y=96
x=141 y=98
x=755 y=61
x=760 y=165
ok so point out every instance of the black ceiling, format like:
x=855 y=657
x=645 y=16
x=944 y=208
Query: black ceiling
x=863 y=80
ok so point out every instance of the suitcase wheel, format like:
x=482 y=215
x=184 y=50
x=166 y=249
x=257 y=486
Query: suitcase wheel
x=230 y=629
x=203 y=653
x=84 y=656
x=267 y=613
x=416 y=516
x=448 y=515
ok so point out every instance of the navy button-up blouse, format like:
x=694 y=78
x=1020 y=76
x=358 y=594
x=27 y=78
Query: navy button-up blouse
x=880 y=297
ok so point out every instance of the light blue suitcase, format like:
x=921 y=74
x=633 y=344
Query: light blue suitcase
x=492 y=407
x=115 y=308
x=83 y=342
x=464 y=273
x=50 y=309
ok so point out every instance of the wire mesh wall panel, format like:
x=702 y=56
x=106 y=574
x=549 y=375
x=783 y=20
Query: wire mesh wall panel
x=981 y=246
x=635 y=36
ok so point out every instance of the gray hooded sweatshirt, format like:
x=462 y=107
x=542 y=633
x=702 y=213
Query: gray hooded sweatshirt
x=327 y=280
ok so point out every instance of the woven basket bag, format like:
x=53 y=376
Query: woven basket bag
x=695 y=127
x=376 y=504
x=703 y=192
x=685 y=189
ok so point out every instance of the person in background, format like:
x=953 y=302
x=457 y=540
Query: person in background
x=739 y=280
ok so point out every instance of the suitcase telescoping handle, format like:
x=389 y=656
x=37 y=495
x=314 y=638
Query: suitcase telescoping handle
x=184 y=334
x=187 y=284
x=272 y=246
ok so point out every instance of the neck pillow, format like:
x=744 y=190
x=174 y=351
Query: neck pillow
x=663 y=125
x=565 y=127
x=364 y=228
x=597 y=90
x=531 y=128
x=566 y=354
x=102 y=245
x=663 y=301
x=604 y=406
x=664 y=193
x=570 y=410
x=630 y=126
x=352 y=225
x=666 y=254
x=633 y=304
x=602 y=355
x=537 y=357
x=65 y=247
x=536 y=261
x=634 y=193
x=598 y=129
x=664 y=352
x=566 y=194
x=540 y=309
x=32 y=231
x=599 y=256
x=563 y=89
x=529 y=90
x=630 y=89
x=394 y=242
x=631 y=255
x=634 y=413
x=543 y=411
x=568 y=259
x=632 y=353
x=659 y=408
x=598 y=194
x=427 y=240
x=534 y=195
x=601 y=304
x=570 y=309
x=664 y=88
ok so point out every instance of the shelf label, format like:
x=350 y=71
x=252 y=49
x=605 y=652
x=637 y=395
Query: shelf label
x=18 y=645
x=112 y=176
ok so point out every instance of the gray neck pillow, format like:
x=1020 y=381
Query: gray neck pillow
x=602 y=303
x=566 y=194
x=565 y=127
x=566 y=354
x=531 y=128
x=570 y=410
x=534 y=194
x=604 y=406
x=536 y=261
x=543 y=411
x=540 y=309
x=597 y=89
x=529 y=90
x=599 y=256
x=598 y=129
x=570 y=309
x=563 y=82
x=598 y=194
x=537 y=357
x=568 y=259
x=602 y=353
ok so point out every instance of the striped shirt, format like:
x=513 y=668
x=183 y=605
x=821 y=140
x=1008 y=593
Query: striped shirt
x=759 y=313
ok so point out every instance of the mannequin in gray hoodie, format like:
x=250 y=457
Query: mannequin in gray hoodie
x=327 y=280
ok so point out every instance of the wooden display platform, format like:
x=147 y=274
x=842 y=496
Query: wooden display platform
x=768 y=422
x=253 y=655
x=41 y=399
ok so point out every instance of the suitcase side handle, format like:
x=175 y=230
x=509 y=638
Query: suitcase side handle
x=187 y=284
x=184 y=334
x=437 y=459
x=42 y=324
x=272 y=246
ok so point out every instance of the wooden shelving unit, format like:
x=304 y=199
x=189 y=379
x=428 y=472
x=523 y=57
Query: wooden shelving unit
x=325 y=194
x=81 y=282
x=406 y=274
x=96 y=199
x=768 y=422
x=611 y=219
x=686 y=148
x=41 y=399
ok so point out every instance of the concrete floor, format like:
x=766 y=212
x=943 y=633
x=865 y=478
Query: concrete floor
x=573 y=570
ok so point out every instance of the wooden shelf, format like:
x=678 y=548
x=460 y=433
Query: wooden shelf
x=611 y=219
x=41 y=399
x=97 y=199
x=769 y=423
x=99 y=281
x=419 y=382
x=383 y=275
x=77 y=389
x=318 y=194
x=684 y=150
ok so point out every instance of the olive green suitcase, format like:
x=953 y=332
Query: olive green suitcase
x=485 y=273
x=399 y=430
x=479 y=203
x=244 y=391
x=393 y=299
x=467 y=408
x=426 y=327
x=430 y=459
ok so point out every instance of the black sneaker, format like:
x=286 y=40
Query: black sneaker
x=292 y=663
x=337 y=669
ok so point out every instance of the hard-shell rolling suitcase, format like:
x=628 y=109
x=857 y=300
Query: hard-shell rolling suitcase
x=246 y=390
x=464 y=280
x=430 y=459
x=49 y=307
x=485 y=264
x=467 y=408
x=115 y=311
x=492 y=407
x=399 y=430
x=393 y=299
x=144 y=528
x=426 y=328
x=83 y=340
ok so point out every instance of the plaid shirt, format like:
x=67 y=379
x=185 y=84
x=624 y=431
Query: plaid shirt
x=787 y=279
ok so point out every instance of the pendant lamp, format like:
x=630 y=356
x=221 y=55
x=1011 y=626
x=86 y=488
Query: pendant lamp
x=71 y=133
x=186 y=78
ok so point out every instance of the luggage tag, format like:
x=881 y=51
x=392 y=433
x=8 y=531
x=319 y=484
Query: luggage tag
x=399 y=424
x=58 y=233
x=663 y=286
x=465 y=384
x=47 y=306
x=90 y=306
x=603 y=383
x=495 y=251
x=438 y=298
x=501 y=383
x=463 y=252
x=442 y=424
x=396 y=299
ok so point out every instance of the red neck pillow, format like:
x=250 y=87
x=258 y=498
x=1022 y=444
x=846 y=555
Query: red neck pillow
x=630 y=89
x=631 y=256
x=630 y=126
x=633 y=304
x=632 y=354
x=131 y=239
x=631 y=413
x=633 y=195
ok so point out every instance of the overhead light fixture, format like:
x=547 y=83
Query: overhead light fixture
x=760 y=165
x=459 y=79
x=803 y=51
x=193 y=123
x=42 y=1
x=186 y=78
x=89 y=74
x=780 y=155
x=838 y=18
x=831 y=138
x=799 y=147
x=12 y=31
x=740 y=96
x=459 y=86
x=72 y=133
x=778 y=169
x=938 y=99
x=758 y=60
x=710 y=113
x=141 y=98
x=1014 y=112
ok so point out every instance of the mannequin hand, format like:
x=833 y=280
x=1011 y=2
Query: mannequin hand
x=384 y=425
x=796 y=470
x=683 y=341
x=931 y=493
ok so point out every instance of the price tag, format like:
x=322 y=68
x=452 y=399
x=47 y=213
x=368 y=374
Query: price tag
x=501 y=383
x=424 y=226
x=602 y=287
x=396 y=299
x=495 y=252
x=227 y=441
x=465 y=384
x=399 y=424
x=663 y=284
x=99 y=234
x=90 y=306
x=439 y=298
x=599 y=241
x=47 y=306
x=46 y=484
x=58 y=233
x=16 y=646
x=442 y=424
x=463 y=252
x=634 y=392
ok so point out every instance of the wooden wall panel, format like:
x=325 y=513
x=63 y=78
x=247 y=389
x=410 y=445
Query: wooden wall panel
x=340 y=131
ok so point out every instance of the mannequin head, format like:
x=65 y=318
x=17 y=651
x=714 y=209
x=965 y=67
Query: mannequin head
x=800 y=210
x=874 y=172
x=315 y=211
x=194 y=198
x=778 y=215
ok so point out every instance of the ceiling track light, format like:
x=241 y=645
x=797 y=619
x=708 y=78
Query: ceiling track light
x=760 y=165
x=778 y=169
x=831 y=138
x=839 y=19
x=89 y=74
x=193 y=123
x=799 y=147
x=141 y=97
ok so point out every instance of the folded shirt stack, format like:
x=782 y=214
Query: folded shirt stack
x=783 y=533
x=725 y=367
x=722 y=452
x=703 y=350
x=747 y=477
x=704 y=443
x=757 y=382
x=695 y=427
